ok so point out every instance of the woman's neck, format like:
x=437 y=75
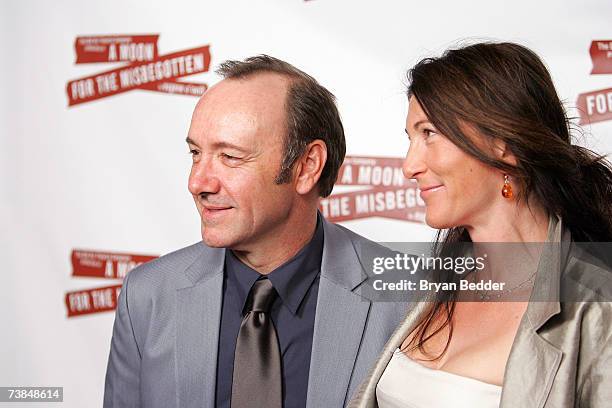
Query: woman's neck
x=511 y=223
x=511 y=240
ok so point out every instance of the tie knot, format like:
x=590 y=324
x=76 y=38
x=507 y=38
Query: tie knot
x=261 y=296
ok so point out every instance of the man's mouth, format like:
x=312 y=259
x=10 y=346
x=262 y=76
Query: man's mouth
x=212 y=211
x=215 y=207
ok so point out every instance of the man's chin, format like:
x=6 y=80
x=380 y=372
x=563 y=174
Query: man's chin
x=215 y=239
x=214 y=242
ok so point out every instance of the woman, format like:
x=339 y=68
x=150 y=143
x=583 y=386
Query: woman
x=491 y=151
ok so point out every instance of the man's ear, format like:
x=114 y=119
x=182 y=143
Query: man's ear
x=501 y=151
x=310 y=166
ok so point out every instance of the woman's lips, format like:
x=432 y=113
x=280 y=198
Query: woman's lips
x=427 y=191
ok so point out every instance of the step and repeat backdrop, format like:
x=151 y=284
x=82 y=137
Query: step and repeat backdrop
x=96 y=102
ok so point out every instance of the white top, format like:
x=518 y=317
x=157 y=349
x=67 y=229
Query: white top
x=408 y=384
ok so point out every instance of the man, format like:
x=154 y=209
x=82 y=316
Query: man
x=265 y=311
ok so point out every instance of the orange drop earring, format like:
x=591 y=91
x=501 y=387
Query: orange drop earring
x=507 y=189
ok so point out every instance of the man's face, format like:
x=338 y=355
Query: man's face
x=236 y=140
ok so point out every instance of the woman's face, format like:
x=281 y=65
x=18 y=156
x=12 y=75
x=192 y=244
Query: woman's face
x=458 y=189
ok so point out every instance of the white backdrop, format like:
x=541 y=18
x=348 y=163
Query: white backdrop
x=111 y=175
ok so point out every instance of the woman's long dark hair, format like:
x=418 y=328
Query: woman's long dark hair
x=503 y=91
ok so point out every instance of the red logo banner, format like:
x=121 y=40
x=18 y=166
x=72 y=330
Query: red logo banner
x=143 y=68
x=389 y=193
x=90 y=301
x=107 y=265
x=97 y=264
x=601 y=55
x=595 y=106
x=115 y=48
x=397 y=203
x=372 y=172
x=177 y=88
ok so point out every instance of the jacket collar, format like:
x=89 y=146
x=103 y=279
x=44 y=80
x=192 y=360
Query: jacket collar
x=534 y=362
x=545 y=295
x=348 y=274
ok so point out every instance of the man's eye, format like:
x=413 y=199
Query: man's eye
x=229 y=157
x=193 y=152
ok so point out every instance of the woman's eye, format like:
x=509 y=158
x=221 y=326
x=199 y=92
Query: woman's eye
x=428 y=133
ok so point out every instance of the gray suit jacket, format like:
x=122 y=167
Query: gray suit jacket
x=166 y=332
x=562 y=352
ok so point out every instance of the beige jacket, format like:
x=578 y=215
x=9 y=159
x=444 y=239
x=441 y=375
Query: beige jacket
x=562 y=352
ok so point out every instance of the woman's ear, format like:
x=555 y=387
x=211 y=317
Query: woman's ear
x=310 y=166
x=503 y=153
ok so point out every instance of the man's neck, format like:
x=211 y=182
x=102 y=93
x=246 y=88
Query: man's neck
x=280 y=245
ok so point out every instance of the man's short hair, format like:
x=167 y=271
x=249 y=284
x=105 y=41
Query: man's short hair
x=311 y=114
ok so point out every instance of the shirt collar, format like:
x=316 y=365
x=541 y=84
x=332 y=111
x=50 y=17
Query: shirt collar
x=291 y=280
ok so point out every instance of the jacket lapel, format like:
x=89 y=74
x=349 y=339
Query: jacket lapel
x=339 y=322
x=530 y=371
x=198 y=312
x=533 y=362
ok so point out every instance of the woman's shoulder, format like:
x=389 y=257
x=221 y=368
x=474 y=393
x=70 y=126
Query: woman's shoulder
x=587 y=275
x=585 y=298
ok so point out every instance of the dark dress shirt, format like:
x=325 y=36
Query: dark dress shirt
x=293 y=314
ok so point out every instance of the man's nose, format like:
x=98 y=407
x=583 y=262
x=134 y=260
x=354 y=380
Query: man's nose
x=414 y=163
x=203 y=178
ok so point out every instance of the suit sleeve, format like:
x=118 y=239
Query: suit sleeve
x=122 y=388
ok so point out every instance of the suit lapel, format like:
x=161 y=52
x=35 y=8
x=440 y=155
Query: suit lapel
x=339 y=322
x=198 y=308
x=339 y=325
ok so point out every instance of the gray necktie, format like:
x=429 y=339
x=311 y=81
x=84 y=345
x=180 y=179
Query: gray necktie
x=257 y=362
